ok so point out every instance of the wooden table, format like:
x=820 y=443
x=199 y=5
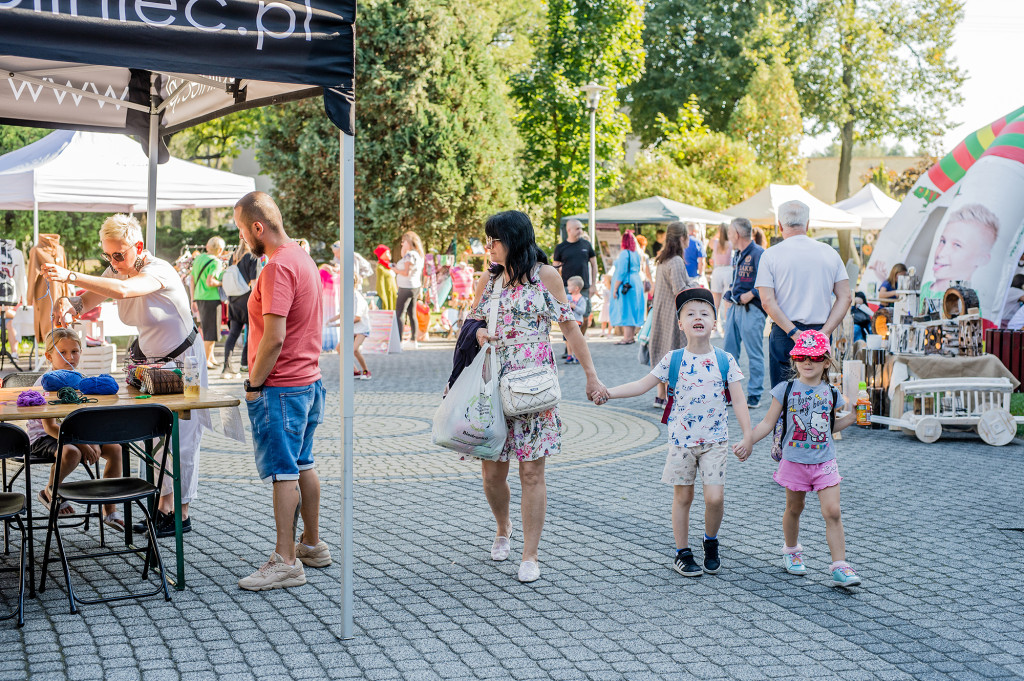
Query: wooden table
x=180 y=406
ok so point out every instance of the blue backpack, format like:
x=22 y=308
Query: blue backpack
x=673 y=374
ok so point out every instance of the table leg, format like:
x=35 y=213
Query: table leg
x=27 y=472
x=179 y=542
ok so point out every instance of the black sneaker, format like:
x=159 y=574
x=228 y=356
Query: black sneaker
x=712 y=564
x=164 y=523
x=686 y=565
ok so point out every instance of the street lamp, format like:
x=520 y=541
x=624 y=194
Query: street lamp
x=593 y=92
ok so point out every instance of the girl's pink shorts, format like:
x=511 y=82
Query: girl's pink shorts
x=807 y=477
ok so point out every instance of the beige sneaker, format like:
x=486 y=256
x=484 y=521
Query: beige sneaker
x=275 y=574
x=318 y=556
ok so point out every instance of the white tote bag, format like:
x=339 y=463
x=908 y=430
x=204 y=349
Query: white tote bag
x=470 y=419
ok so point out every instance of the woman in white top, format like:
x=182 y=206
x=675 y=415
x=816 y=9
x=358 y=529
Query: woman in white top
x=151 y=297
x=410 y=280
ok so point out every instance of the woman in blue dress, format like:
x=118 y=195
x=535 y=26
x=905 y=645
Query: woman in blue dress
x=627 y=309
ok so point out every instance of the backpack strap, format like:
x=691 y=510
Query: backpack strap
x=832 y=414
x=785 y=410
x=723 y=366
x=673 y=373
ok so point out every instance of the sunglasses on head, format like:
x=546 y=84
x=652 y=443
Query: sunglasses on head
x=808 y=358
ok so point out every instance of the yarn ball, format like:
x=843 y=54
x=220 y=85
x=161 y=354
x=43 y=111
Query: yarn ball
x=59 y=378
x=30 y=398
x=104 y=384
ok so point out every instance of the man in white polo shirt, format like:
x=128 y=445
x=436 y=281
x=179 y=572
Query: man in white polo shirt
x=802 y=285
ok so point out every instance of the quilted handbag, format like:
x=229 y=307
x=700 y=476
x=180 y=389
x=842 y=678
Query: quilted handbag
x=524 y=391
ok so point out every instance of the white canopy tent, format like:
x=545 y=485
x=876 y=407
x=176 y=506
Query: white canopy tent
x=872 y=205
x=652 y=210
x=100 y=172
x=761 y=208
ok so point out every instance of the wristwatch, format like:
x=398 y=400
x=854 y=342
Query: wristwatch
x=793 y=331
x=72 y=277
x=252 y=388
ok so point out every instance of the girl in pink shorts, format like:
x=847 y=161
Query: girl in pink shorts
x=808 y=452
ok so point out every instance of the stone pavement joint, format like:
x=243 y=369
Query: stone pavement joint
x=430 y=604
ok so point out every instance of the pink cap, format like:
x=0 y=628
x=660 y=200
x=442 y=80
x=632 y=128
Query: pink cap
x=811 y=343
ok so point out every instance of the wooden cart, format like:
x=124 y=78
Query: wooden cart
x=979 y=403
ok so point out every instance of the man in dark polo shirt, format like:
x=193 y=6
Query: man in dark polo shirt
x=575 y=257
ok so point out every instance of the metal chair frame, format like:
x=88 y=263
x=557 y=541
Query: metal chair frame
x=14 y=442
x=99 y=426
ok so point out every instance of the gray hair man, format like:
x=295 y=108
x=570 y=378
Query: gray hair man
x=803 y=285
x=744 y=322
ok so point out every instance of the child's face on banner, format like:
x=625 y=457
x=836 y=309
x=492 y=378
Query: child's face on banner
x=963 y=247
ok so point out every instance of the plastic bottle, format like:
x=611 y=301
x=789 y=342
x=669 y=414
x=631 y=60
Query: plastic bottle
x=863 y=406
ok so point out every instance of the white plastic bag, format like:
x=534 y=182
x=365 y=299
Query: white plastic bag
x=470 y=419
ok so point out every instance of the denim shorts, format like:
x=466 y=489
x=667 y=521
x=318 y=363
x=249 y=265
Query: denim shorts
x=284 y=420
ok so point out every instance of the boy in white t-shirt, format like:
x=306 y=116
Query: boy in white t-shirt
x=698 y=433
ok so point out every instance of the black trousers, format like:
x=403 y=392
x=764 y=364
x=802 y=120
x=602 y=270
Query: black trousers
x=406 y=304
x=238 y=317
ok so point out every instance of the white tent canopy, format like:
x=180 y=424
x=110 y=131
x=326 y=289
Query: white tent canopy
x=652 y=210
x=100 y=172
x=872 y=205
x=761 y=208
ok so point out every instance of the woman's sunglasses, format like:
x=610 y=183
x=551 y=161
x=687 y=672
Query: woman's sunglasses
x=115 y=257
x=808 y=358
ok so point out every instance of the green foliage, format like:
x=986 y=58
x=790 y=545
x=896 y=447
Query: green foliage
x=905 y=181
x=511 y=26
x=694 y=47
x=584 y=41
x=214 y=142
x=880 y=176
x=768 y=116
x=878 y=69
x=694 y=164
x=434 y=145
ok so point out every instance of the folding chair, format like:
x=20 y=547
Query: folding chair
x=100 y=426
x=14 y=442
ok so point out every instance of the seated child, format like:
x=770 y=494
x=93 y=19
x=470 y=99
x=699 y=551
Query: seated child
x=63 y=351
x=698 y=433
x=578 y=302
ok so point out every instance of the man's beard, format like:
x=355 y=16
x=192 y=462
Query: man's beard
x=258 y=247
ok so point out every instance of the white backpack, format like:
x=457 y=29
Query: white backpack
x=233 y=282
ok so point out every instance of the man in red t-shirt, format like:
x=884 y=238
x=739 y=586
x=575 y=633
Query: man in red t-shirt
x=284 y=394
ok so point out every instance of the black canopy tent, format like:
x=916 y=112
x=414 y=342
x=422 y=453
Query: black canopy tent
x=154 y=67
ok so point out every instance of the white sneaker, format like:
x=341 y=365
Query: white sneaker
x=529 y=571
x=501 y=548
x=274 y=574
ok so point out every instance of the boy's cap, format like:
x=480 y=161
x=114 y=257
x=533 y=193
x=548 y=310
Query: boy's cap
x=810 y=343
x=689 y=294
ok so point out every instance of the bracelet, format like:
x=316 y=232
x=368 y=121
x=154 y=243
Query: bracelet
x=793 y=331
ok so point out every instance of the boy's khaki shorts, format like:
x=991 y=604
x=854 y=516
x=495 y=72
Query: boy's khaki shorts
x=682 y=464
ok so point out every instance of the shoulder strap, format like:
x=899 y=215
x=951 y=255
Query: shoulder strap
x=723 y=364
x=492 y=323
x=785 y=410
x=673 y=370
x=832 y=414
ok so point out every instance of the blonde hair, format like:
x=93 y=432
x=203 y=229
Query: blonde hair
x=828 y=364
x=979 y=215
x=59 y=334
x=240 y=250
x=215 y=244
x=414 y=240
x=121 y=227
x=576 y=281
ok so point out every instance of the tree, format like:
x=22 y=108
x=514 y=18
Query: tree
x=693 y=164
x=877 y=69
x=585 y=40
x=768 y=117
x=435 y=146
x=512 y=27
x=694 y=47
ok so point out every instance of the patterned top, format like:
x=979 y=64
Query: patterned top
x=808 y=436
x=523 y=328
x=699 y=415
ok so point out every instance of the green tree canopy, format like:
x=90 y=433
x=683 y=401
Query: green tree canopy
x=584 y=41
x=768 y=116
x=693 y=164
x=877 y=69
x=435 y=146
x=694 y=47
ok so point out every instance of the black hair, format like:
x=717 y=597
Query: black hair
x=863 y=296
x=515 y=232
x=1018 y=281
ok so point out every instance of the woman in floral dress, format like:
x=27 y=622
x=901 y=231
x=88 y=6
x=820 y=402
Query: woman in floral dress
x=531 y=298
